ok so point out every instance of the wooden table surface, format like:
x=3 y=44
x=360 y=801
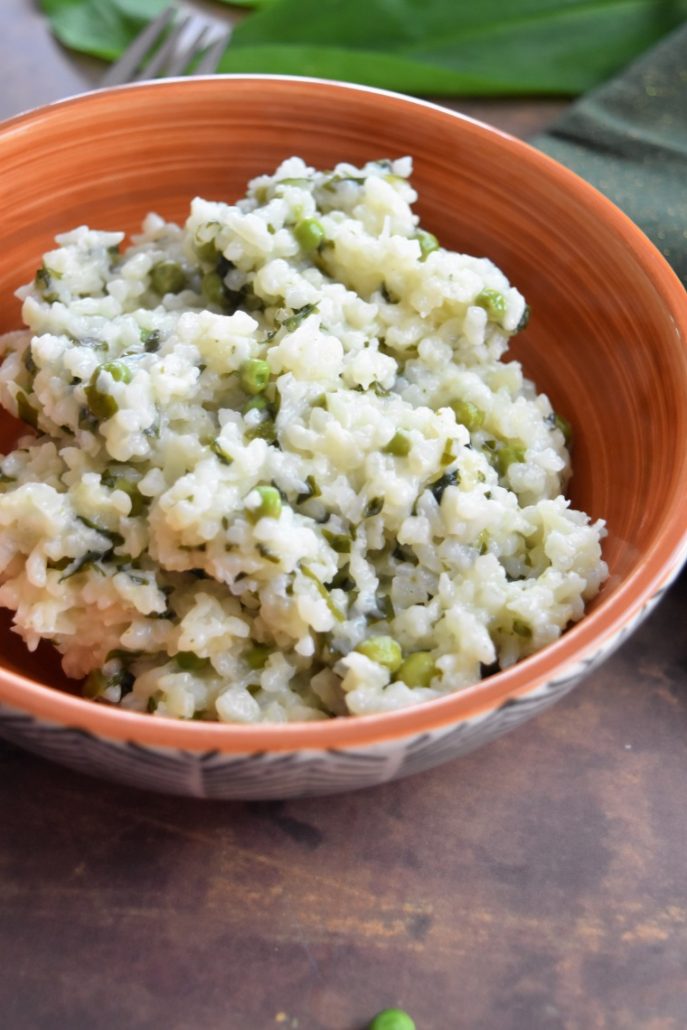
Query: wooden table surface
x=539 y=883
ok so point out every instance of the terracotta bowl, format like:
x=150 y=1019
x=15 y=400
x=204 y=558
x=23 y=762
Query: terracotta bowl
x=607 y=342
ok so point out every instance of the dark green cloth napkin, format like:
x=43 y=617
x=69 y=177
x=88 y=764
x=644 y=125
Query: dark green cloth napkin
x=629 y=139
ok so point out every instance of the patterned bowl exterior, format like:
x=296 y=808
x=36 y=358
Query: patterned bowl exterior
x=607 y=343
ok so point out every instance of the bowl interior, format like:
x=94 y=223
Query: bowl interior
x=606 y=338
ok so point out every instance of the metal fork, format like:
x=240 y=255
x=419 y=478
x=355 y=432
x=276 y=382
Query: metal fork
x=190 y=37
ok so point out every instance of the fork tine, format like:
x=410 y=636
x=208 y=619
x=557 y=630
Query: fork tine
x=194 y=44
x=213 y=55
x=125 y=67
x=163 y=57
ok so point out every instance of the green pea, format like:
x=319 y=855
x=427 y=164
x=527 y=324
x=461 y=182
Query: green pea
x=101 y=405
x=468 y=414
x=254 y=375
x=206 y=251
x=189 y=661
x=257 y=403
x=309 y=233
x=383 y=650
x=131 y=490
x=428 y=242
x=522 y=629
x=257 y=655
x=399 y=445
x=493 y=302
x=119 y=371
x=417 y=670
x=392 y=1019
x=508 y=454
x=167 y=277
x=269 y=506
x=213 y=289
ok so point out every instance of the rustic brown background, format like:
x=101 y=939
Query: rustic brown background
x=540 y=883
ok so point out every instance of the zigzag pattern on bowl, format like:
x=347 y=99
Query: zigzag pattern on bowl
x=212 y=774
x=264 y=776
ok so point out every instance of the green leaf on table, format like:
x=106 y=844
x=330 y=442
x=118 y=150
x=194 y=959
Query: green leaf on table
x=418 y=46
x=443 y=46
x=103 y=28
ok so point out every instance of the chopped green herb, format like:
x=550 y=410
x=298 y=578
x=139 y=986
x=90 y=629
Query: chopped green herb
x=189 y=661
x=223 y=456
x=324 y=593
x=115 y=538
x=561 y=423
x=82 y=563
x=268 y=555
x=29 y=364
x=440 y=485
x=399 y=445
x=303 y=183
x=257 y=655
x=43 y=282
x=312 y=490
x=448 y=455
x=27 y=413
x=294 y=320
x=343 y=581
x=373 y=507
x=524 y=319
x=122 y=654
x=428 y=243
x=151 y=339
x=523 y=629
x=468 y=414
x=339 y=542
x=508 y=454
x=60 y=564
x=263 y=430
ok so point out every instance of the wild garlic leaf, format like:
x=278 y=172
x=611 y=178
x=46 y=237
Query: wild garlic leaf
x=444 y=46
x=417 y=46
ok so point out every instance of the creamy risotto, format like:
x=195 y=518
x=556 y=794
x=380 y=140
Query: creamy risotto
x=280 y=469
